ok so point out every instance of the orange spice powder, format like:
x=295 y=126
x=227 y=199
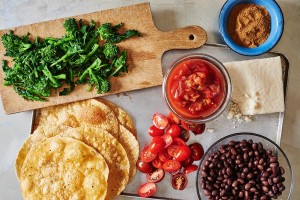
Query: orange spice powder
x=249 y=25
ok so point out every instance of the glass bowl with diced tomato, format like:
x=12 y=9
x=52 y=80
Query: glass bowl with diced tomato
x=197 y=88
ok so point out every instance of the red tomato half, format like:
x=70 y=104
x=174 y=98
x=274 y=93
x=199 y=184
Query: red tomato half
x=184 y=135
x=179 y=141
x=157 y=144
x=160 y=121
x=158 y=164
x=197 y=151
x=146 y=155
x=179 y=181
x=171 y=166
x=173 y=150
x=153 y=131
x=144 y=166
x=195 y=128
x=187 y=162
x=147 y=190
x=155 y=176
x=164 y=156
x=183 y=153
x=168 y=140
x=173 y=118
x=174 y=130
x=190 y=169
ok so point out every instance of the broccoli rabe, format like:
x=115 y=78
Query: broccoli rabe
x=84 y=54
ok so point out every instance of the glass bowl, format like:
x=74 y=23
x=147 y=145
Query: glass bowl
x=223 y=80
x=277 y=26
x=267 y=144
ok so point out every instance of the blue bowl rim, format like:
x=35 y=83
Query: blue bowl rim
x=245 y=133
x=257 y=53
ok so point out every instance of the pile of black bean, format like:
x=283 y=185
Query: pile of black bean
x=242 y=170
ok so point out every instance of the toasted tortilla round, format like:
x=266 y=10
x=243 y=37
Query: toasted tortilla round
x=123 y=117
x=103 y=142
x=63 y=168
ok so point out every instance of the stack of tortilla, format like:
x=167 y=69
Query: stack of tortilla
x=81 y=150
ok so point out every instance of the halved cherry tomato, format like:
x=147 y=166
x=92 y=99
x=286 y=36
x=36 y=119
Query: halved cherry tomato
x=144 y=166
x=198 y=129
x=183 y=153
x=173 y=118
x=179 y=181
x=160 y=121
x=184 y=135
x=164 y=156
x=158 y=164
x=179 y=141
x=147 y=190
x=171 y=166
x=153 y=131
x=197 y=151
x=190 y=169
x=146 y=155
x=187 y=162
x=157 y=145
x=168 y=140
x=173 y=150
x=174 y=130
x=155 y=176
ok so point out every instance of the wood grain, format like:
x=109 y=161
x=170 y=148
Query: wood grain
x=144 y=53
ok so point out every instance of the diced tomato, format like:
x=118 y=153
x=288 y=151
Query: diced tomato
x=147 y=190
x=146 y=155
x=144 y=166
x=160 y=121
x=155 y=176
x=158 y=164
x=171 y=166
x=173 y=118
x=183 y=153
x=168 y=140
x=157 y=145
x=153 y=131
x=190 y=169
x=173 y=130
x=164 y=156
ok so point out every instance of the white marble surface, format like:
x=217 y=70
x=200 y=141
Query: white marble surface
x=168 y=15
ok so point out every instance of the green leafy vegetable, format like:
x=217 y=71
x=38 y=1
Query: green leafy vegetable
x=84 y=54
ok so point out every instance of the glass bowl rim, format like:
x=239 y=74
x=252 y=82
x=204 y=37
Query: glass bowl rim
x=216 y=64
x=249 y=134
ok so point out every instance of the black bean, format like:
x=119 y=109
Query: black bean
x=282 y=170
x=273 y=159
x=215 y=192
x=207 y=193
x=253 y=189
x=260 y=167
x=274 y=164
x=261 y=161
x=247 y=186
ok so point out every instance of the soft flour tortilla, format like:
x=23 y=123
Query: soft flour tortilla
x=63 y=168
x=123 y=117
x=112 y=151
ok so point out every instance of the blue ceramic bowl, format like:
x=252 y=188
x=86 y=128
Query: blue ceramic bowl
x=277 y=24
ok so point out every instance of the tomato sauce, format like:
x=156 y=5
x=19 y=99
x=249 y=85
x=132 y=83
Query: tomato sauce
x=195 y=88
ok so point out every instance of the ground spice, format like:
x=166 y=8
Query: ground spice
x=249 y=25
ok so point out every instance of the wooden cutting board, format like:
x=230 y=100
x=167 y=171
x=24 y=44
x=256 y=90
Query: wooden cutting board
x=144 y=54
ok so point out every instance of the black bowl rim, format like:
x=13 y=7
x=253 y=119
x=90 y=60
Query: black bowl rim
x=246 y=133
x=283 y=27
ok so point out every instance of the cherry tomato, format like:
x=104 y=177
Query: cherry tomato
x=187 y=162
x=157 y=145
x=190 y=169
x=144 y=166
x=147 y=190
x=171 y=166
x=184 y=135
x=174 y=130
x=155 y=176
x=146 y=155
x=173 y=150
x=153 y=131
x=198 y=129
x=158 y=164
x=160 y=121
x=173 y=118
x=197 y=151
x=179 y=181
x=179 y=141
x=183 y=153
x=168 y=140
x=164 y=156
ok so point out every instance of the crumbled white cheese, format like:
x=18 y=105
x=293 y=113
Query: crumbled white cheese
x=211 y=130
x=234 y=112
